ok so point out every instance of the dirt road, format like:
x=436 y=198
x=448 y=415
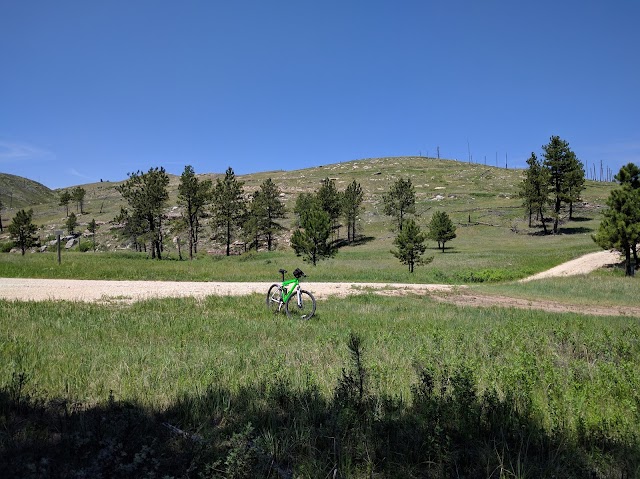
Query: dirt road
x=26 y=289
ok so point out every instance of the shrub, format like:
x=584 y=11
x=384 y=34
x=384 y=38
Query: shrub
x=6 y=247
x=85 y=246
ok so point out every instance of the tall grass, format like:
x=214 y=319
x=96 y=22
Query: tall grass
x=197 y=363
x=606 y=287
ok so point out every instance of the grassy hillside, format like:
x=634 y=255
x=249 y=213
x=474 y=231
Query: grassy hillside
x=17 y=192
x=494 y=241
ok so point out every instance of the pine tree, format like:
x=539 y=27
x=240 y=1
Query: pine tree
x=330 y=201
x=620 y=226
x=229 y=207
x=566 y=176
x=77 y=195
x=71 y=223
x=194 y=195
x=399 y=201
x=65 y=199
x=534 y=190
x=411 y=247
x=93 y=228
x=311 y=241
x=147 y=195
x=441 y=229
x=351 y=205
x=265 y=208
x=22 y=230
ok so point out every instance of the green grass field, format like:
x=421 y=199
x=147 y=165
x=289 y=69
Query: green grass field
x=562 y=377
x=219 y=388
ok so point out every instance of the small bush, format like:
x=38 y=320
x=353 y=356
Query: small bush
x=6 y=247
x=85 y=246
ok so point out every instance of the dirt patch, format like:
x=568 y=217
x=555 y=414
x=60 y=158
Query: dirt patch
x=582 y=265
x=28 y=289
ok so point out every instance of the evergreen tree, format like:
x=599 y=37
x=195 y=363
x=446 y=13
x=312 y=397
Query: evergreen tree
x=351 y=204
x=620 y=226
x=311 y=241
x=193 y=195
x=265 y=208
x=147 y=195
x=1 y=207
x=77 y=195
x=229 y=207
x=330 y=201
x=534 y=190
x=566 y=176
x=441 y=229
x=93 y=228
x=400 y=200
x=65 y=199
x=71 y=223
x=411 y=247
x=22 y=230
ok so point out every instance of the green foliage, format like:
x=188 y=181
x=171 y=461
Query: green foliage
x=64 y=200
x=330 y=199
x=534 y=190
x=6 y=246
x=565 y=176
x=411 y=247
x=265 y=208
x=620 y=225
x=351 y=206
x=441 y=229
x=85 y=246
x=77 y=195
x=311 y=240
x=147 y=195
x=71 y=223
x=193 y=195
x=22 y=230
x=228 y=207
x=400 y=200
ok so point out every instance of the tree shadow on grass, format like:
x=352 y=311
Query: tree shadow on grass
x=272 y=429
x=572 y=230
x=360 y=240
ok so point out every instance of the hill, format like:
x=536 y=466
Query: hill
x=18 y=192
x=494 y=241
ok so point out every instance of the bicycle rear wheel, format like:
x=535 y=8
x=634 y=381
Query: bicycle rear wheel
x=305 y=310
x=274 y=298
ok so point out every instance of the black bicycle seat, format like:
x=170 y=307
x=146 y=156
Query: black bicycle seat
x=282 y=271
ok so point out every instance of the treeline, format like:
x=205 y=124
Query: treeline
x=232 y=214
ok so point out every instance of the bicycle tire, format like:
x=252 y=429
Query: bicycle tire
x=274 y=298
x=307 y=308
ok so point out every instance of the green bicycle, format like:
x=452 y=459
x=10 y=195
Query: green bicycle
x=297 y=302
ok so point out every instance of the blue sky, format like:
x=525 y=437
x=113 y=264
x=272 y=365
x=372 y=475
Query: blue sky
x=94 y=90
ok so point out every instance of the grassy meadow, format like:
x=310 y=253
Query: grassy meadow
x=556 y=394
x=371 y=387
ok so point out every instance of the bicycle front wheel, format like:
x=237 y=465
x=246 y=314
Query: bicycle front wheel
x=303 y=309
x=274 y=298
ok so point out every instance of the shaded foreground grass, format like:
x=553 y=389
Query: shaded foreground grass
x=218 y=388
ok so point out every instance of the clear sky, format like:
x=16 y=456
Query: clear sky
x=93 y=90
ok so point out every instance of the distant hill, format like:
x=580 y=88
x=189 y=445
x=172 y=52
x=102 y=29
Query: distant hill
x=19 y=192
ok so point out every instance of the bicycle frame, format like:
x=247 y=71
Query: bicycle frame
x=286 y=284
